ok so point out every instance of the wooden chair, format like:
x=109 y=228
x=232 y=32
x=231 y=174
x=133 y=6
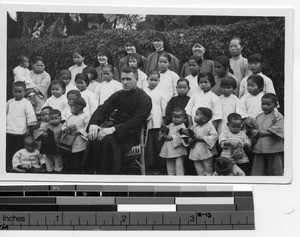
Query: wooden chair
x=136 y=155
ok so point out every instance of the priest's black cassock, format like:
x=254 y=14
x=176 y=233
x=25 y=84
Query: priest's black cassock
x=130 y=111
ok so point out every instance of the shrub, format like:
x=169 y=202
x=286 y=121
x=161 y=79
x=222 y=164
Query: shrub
x=260 y=36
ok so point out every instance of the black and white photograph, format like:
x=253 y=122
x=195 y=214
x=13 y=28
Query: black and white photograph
x=183 y=97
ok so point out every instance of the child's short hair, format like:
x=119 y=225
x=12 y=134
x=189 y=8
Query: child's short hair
x=154 y=72
x=239 y=39
x=184 y=80
x=224 y=60
x=138 y=58
x=229 y=81
x=59 y=82
x=38 y=58
x=197 y=59
x=47 y=107
x=206 y=112
x=179 y=110
x=29 y=139
x=91 y=71
x=21 y=58
x=270 y=96
x=255 y=58
x=167 y=56
x=111 y=67
x=209 y=76
x=79 y=101
x=258 y=80
x=223 y=165
x=102 y=52
x=55 y=112
x=82 y=76
x=79 y=51
x=131 y=70
x=74 y=92
x=65 y=73
x=234 y=116
x=19 y=84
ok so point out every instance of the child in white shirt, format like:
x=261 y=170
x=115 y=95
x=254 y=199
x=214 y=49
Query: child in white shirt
x=205 y=98
x=78 y=58
x=58 y=100
x=76 y=125
x=92 y=75
x=20 y=120
x=194 y=64
x=135 y=60
x=22 y=73
x=168 y=78
x=28 y=159
x=229 y=101
x=250 y=104
x=82 y=81
x=159 y=103
x=205 y=135
x=109 y=86
x=66 y=76
x=173 y=150
x=255 y=62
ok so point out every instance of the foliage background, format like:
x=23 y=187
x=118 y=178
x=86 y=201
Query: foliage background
x=264 y=35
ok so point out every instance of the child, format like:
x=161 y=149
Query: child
x=222 y=70
x=42 y=81
x=50 y=136
x=135 y=61
x=249 y=104
x=20 y=120
x=109 y=86
x=180 y=100
x=76 y=125
x=194 y=64
x=82 y=81
x=268 y=151
x=233 y=141
x=199 y=49
x=103 y=60
x=45 y=118
x=21 y=73
x=205 y=134
x=225 y=167
x=92 y=75
x=71 y=95
x=78 y=58
x=168 y=79
x=229 y=101
x=205 y=98
x=238 y=63
x=66 y=76
x=255 y=62
x=28 y=159
x=173 y=150
x=58 y=100
x=159 y=104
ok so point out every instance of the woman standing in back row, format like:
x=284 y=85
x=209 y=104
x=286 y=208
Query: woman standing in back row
x=160 y=44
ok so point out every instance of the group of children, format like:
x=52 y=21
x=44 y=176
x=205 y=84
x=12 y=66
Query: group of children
x=221 y=117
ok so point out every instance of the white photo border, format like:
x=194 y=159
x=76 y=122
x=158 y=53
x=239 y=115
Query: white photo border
x=289 y=29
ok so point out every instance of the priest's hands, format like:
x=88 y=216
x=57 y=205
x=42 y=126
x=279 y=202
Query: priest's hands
x=96 y=132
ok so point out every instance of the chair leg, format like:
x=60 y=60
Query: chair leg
x=143 y=168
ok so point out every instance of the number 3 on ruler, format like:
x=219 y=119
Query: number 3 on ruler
x=192 y=218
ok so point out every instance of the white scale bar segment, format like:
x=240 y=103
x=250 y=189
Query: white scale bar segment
x=204 y=200
x=146 y=208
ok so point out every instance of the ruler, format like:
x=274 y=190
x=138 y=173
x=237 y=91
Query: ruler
x=99 y=207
